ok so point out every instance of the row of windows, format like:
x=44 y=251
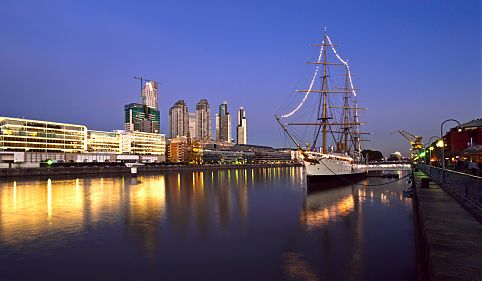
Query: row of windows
x=39 y=140
x=39 y=145
x=31 y=126
x=16 y=149
x=27 y=137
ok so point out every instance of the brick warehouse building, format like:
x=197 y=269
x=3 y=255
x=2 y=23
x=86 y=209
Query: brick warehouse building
x=459 y=143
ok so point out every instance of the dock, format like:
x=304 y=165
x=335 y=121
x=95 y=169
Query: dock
x=450 y=237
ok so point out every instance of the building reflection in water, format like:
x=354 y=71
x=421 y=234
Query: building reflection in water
x=149 y=207
x=208 y=201
x=258 y=220
x=30 y=210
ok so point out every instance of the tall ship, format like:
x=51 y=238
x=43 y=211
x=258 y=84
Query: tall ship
x=333 y=142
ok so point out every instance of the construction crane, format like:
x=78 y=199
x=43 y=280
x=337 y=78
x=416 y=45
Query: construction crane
x=415 y=141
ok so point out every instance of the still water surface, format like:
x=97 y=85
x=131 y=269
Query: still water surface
x=239 y=224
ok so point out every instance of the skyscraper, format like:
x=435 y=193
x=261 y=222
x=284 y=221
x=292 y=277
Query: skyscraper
x=192 y=125
x=223 y=123
x=178 y=120
x=203 y=120
x=242 y=129
x=149 y=95
x=141 y=118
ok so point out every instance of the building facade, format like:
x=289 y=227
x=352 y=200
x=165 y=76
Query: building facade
x=177 y=150
x=104 y=142
x=178 y=120
x=192 y=125
x=41 y=136
x=141 y=143
x=223 y=123
x=44 y=140
x=150 y=95
x=141 y=118
x=203 y=120
x=242 y=128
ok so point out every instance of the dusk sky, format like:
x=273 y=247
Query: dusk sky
x=416 y=62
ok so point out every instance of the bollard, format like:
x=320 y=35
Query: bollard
x=424 y=183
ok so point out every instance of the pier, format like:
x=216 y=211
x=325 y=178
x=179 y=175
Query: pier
x=448 y=232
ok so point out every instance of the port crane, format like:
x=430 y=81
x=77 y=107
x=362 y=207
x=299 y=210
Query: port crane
x=415 y=141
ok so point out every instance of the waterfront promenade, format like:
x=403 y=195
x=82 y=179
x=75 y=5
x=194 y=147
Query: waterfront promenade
x=449 y=236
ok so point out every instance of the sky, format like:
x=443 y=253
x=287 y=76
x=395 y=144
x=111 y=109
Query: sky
x=416 y=62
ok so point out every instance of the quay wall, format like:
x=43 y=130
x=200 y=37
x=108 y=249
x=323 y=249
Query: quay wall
x=122 y=170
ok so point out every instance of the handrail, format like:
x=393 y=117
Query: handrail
x=466 y=185
x=452 y=171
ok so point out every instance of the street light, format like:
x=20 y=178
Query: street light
x=443 y=148
x=430 y=148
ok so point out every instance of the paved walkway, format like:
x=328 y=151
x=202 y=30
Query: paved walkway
x=451 y=236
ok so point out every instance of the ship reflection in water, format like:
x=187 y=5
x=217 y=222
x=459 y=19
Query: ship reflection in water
x=256 y=224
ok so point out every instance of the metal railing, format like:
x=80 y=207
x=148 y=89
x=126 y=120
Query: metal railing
x=466 y=185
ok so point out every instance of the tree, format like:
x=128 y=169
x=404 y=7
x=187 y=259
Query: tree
x=373 y=155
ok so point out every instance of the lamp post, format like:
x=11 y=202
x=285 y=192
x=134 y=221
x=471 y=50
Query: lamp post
x=443 y=148
x=430 y=148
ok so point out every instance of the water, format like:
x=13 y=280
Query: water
x=245 y=224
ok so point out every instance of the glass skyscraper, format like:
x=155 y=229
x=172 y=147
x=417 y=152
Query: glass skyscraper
x=141 y=118
x=223 y=123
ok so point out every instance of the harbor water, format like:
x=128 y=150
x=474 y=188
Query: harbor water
x=231 y=224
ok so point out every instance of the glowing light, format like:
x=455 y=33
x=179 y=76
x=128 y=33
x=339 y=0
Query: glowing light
x=345 y=63
x=311 y=85
x=440 y=143
x=15 y=194
x=49 y=198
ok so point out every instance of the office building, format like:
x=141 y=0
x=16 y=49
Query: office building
x=242 y=129
x=185 y=150
x=104 y=142
x=223 y=123
x=41 y=136
x=177 y=150
x=141 y=143
x=149 y=95
x=178 y=120
x=203 y=120
x=141 y=118
x=34 y=141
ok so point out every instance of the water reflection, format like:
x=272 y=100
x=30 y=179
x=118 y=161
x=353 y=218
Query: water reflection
x=219 y=224
x=342 y=218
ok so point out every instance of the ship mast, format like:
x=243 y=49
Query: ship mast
x=348 y=135
x=345 y=112
x=324 y=89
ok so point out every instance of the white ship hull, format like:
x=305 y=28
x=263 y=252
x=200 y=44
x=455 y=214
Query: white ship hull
x=331 y=165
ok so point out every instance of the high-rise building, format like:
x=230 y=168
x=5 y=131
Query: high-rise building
x=192 y=125
x=203 y=120
x=242 y=129
x=178 y=120
x=149 y=95
x=223 y=123
x=141 y=118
